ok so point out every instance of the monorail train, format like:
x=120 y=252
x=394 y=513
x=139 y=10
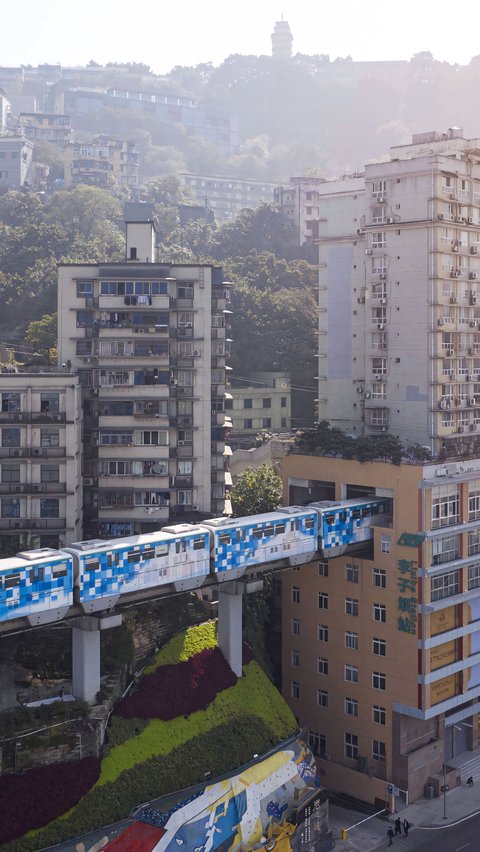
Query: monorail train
x=40 y=585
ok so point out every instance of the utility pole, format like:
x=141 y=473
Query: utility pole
x=444 y=788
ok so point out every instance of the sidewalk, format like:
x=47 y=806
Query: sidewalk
x=371 y=834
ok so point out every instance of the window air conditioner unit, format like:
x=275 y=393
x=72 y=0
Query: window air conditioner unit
x=440 y=323
x=461 y=429
x=35 y=488
x=453 y=300
x=473 y=276
x=36 y=452
x=383 y=301
x=472 y=427
x=454 y=248
x=472 y=400
x=195 y=508
x=383 y=429
x=390 y=220
x=470 y=220
x=368 y=251
x=380 y=326
x=441 y=216
x=449 y=353
x=473 y=324
x=368 y=395
x=87 y=359
x=383 y=276
x=88 y=481
x=473 y=249
x=361 y=300
x=458 y=219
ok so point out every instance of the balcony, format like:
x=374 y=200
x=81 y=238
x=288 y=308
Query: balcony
x=33 y=524
x=31 y=417
x=183 y=481
x=33 y=488
x=32 y=452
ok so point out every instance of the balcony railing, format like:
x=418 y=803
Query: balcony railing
x=33 y=488
x=33 y=524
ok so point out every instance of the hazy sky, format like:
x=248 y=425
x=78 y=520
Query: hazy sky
x=164 y=33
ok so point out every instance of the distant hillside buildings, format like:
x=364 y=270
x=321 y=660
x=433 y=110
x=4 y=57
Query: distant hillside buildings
x=225 y=195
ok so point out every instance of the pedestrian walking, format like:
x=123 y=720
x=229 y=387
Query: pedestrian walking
x=470 y=781
x=406 y=826
x=398 y=826
x=390 y=835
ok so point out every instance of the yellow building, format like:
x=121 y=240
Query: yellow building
x=381 y=647
x=102 y=162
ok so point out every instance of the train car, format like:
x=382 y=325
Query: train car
x=240 y=543
x=346 y=523
x=36 y=585
x=105 y=570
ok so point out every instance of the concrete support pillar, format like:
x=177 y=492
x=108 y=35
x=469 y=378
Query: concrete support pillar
x=86 y=654
x=86 y=663
x=230 y=624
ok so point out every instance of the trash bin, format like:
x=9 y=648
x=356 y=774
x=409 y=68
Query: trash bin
x=428 y=791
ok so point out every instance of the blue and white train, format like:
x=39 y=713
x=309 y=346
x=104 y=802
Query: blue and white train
x=41 y=585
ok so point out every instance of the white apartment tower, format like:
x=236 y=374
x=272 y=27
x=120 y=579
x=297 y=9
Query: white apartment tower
x=149 y=342
x=399 y=335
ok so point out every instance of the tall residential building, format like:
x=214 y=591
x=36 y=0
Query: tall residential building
x=15 y=160
x=303 y=199
x=148 y=340
x=399 y=255
x=225 y=195
x=40 y=459
x=263 y=401
x=381 y=646
x=101 y=162
x=44 y=126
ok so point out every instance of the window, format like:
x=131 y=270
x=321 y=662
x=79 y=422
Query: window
x=351 y=746
x=351 y=573
x=10 y=473
x=322 y=632
x=351 y=640
x=445 y=549
x=445 y=506
x=283 y=402
x=322 y=665
x=50 y=403
x=379 y=680
x=323 y=569
x=445 y=585
x=295 y=594
x=351 y=673
x=49 y=438
x=295 y=658
x=473 y=542
x=266 y=422
x=474 y=500
x=379 y=647
x=10 y=402
x=322 y=698
x=247 y=403
x=84 y=288
x=379 y=239
x=379 y=714
x=11 y=507
x=49 y=473
x=184 y=467
x=49 y=508
x=248 y=424
x=351 y=707
x=380 y=578
x=379 y=390
x=266 y=402
x=351 y=606
x=295 y=689
x=10 y=437
x=295 y=626
x=380 y=612
x=474 y=576
x=379 y=366
x=378 y=750
x=322 y=600
x=317 y=742
x=385 y=543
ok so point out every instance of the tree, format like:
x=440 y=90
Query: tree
x=256 y=491
x=263 y=229
x=42 y=333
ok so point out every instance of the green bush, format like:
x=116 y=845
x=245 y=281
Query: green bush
x=185 y=644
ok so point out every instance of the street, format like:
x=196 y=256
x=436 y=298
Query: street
x=463 y=837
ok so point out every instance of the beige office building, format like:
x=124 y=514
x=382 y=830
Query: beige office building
x=381 y=647
x=40 y=459
x=148 y=340
x=399 y=337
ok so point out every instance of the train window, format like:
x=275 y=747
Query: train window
x=295 y=524
x=198 y=543
x=112 y=559
x=280 y=528
x=36 y=575
x=133 y=557
x=309 y=523
x=330 y=520
x=241 y=535
x=161 y=550
x=225 y=538
x=92 y=564
x=148 y=553
x=342 y=517
x=59 y=570
x=356 y=514
x=257 y=533
x=12 y=581
x=268 y=531
x=181 y=546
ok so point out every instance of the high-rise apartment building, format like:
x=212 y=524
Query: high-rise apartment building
x=148 y=341
x=399 y=337
x=40 y=459
x=381 y=645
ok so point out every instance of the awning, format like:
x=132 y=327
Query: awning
x=227 y=451
x=228 y=478
x=228 y=508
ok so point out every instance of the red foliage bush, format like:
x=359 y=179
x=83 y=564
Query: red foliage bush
x=181 y=689
x=39 y=795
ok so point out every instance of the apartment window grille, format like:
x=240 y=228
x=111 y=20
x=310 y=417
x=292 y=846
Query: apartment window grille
x=474 y=500
x=379 y=239
x=445 y=506
x=445 y=549
x=474 y=576
x=444 y=585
